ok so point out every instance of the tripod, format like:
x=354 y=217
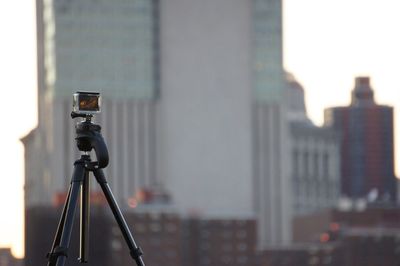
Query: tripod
x=88 y=138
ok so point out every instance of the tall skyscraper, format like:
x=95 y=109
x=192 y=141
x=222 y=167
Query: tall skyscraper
x=106 y=47
x=193 y=104
x=367 y=157
x=271 y=141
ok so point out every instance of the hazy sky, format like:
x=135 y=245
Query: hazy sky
x=18 y=89
x=326 y=44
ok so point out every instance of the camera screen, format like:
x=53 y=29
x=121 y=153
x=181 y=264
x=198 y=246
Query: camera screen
x=86 y=102
x=89 y=103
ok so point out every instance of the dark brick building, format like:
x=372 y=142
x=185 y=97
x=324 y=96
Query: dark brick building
x=329 y=238
x=303 y=255
x=355 y=247
x=371 y=247
x=159 y=235
x=220 y=242
x=308 y=228
x=356 y=238
x=166 y=239
x=40 y=227
x=367 y=152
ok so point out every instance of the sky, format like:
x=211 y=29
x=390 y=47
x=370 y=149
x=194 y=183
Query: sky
x=327 y=43
x=18 y=90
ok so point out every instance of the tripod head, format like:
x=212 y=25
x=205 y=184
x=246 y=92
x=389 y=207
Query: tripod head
x=88 y=137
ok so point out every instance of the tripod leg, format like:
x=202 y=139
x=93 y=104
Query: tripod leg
x=60 y=227
x=135 y=251
x=58 y=254
x=84 y=220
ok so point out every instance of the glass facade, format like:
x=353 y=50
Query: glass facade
x=112 y=47
x=105 y=46
x=268 y=62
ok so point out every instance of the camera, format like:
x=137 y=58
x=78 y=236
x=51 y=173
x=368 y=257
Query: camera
x=86 y=103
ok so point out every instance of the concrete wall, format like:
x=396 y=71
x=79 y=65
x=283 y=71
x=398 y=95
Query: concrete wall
x=205 y=111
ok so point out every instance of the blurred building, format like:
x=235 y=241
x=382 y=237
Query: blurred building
x=165 y=238
x=7 y=259
x=220 y=242
x=159 y=235
x=303 y=255
x=40 y=232
x=270 y=139
x=308 y=228
x=355 y=237
x=356 y=247
x=193 y=105
x=367 y=151
x=315 y=168
x=371 y=247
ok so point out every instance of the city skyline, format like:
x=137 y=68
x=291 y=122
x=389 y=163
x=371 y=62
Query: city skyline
x=193 y=137
x=305 y=65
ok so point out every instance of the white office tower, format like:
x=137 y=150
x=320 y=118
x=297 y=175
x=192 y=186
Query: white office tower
x=205 y=132
x=194 y=107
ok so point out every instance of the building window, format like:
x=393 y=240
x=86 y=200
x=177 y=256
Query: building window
x=204 y=233
x=204 y=261
x=316 y=164
x=155 y=227
x=205 y=246
x=242 y=260
x=171 y=227
x=241 y=234
x=306 y=165
x=325 y=164
x=227 y=234
x=242 y=246
x=295 y=163
x=227 y=247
